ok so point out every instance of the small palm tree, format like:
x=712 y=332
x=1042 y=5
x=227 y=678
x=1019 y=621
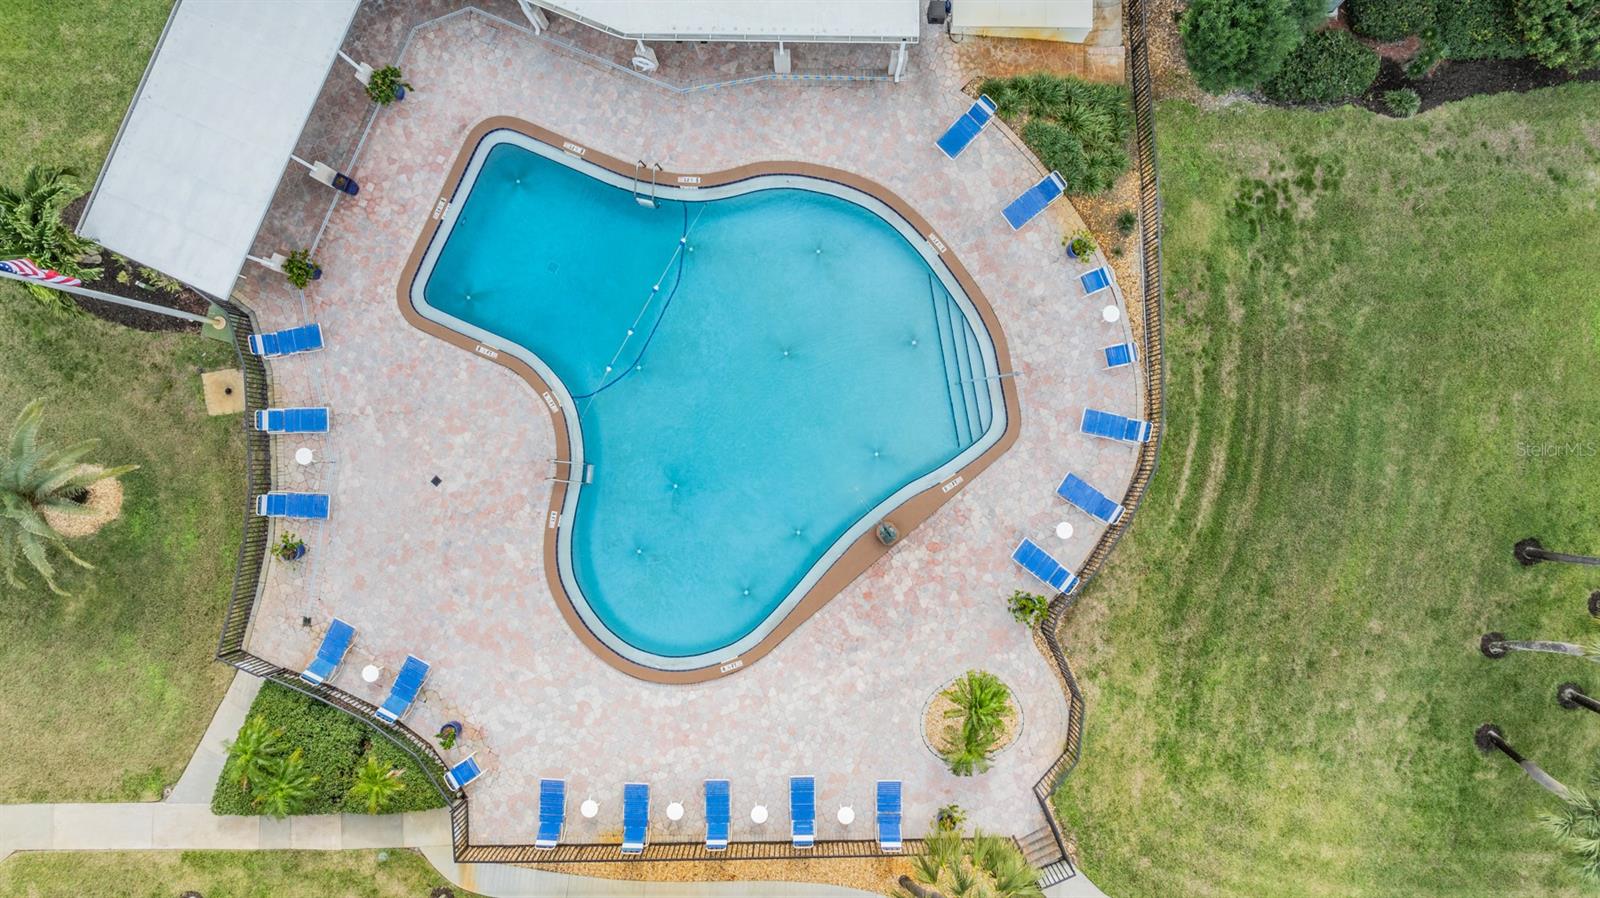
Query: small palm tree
x=287 y=786
x=254 y=752
x=986 y=866
x=982 y=704
x=31 y=227
x=33 y=479
x=376 y=784
x=1489 y=738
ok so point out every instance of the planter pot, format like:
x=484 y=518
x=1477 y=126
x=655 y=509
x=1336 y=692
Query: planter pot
x=298 y=553
x=453 y=726
x=346 y=184
x=316 y=272
x=399 y=93
x=1070 y=253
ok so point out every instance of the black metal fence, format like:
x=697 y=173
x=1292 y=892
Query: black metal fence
x=1136 y=35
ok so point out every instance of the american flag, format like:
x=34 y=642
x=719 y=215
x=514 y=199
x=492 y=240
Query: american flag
x=27 y=269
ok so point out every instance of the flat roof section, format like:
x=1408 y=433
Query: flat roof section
x=797 y=21
x=205 y=142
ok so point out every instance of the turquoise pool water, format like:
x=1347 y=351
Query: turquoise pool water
x=757 y=373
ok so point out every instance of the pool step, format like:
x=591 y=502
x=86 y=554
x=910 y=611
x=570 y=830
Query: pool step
x=945 y=328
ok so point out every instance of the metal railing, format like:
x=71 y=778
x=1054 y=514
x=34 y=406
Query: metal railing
x=1136 y=15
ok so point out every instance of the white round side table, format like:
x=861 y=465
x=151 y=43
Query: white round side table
x=370 y=673
x=589 y=808
x=1111 y=313
x=1064 y=530
x=847 y=815
x=758 y=814
x=304 y=455
x=675 y=811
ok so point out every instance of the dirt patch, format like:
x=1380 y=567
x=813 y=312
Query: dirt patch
x=102 y=504
x=127 y=278
x=939 y=730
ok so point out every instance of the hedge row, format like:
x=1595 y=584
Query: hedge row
x=1079 y=128
x=333 y=743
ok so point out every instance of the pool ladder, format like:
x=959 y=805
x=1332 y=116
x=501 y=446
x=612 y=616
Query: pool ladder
x=648 y=202
x=588 y=472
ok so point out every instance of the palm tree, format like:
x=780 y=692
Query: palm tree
x=31 y=227
x=1577 y=829
x=33 y=479
x=987 y=866
x=982 y=702
x=1572 y=696
x=1496 y=646
x=376 y=784
x=1530 y=552
x=287 y=786
x=254 y=752
x=1489 y=738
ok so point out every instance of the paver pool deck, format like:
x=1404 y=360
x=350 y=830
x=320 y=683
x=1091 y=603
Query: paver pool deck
x=453 y=573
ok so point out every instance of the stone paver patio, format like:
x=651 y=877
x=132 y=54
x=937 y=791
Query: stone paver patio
x=453 y=573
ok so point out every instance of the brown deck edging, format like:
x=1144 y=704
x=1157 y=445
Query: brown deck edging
x=866 y=549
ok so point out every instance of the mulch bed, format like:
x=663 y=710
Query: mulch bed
x=1457 y=79
x=137 y=287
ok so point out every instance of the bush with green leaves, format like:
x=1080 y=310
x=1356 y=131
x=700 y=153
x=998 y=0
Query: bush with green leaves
x=1328 y=66
x=299 y=268
x=1079 y=128
x=382 y=86
x=1402 y=103
x=335 y=748
x=1028 y=608
x=1389 y=20
x=33 y=480
x=1479 y=29
x=31 y=228
x=1126 y=222
x=1232 y=44
x=1561 y=34
x=1430 y=54
x=982 y=708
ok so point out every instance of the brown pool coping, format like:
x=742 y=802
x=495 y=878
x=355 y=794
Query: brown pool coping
x=866 y=549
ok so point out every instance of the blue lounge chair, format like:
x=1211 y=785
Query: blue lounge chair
x=966 y=128
x=889 y=815
x=1121 y=355
x=463 y=773
x=803 y=811
x=1039 y=563
x=278 y=504
x=1033 y=200
x=719 y=814
x=305 y=338
x=635 y=817
x=1095 y=281
x=403 y=694
x=552 y=813
x=1097 y=504
x=292 y=420
x=1113 y=426
x=330 y=654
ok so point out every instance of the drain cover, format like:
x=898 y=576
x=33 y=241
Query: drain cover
x=436 y=481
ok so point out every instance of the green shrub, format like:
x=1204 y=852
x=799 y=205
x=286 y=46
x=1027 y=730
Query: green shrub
x=1561 y=34
x=1079 y=128
x=384 y=84
x=1389 y=20
x=1327 y=66
x=300 y=268
x=1479 y=29
x=1234 y=44
x=1402 y=103
x=1126 y=222
x=1027 y=608
x=333 y=746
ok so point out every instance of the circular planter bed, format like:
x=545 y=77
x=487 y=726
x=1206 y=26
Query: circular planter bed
x=103 y=500
x=935 y=725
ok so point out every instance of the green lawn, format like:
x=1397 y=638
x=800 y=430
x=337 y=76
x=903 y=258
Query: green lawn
x=115 y=684
x=220 y=874
x=1383 y=342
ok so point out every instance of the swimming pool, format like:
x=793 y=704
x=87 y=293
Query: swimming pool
x=753 y=374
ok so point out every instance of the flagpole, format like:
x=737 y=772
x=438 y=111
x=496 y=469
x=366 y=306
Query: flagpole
x=218 y=322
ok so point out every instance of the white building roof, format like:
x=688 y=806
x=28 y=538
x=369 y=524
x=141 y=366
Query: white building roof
x=799 y=21
x=1044 y=15
x=205 y=142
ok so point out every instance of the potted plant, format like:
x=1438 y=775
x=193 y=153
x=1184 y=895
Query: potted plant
x=1079 y=246
x=300 y=269
x=448 y=734
x=289 y=547
x=386 y=86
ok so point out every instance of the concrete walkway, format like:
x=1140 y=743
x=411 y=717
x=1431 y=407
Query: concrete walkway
x=199 y=779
